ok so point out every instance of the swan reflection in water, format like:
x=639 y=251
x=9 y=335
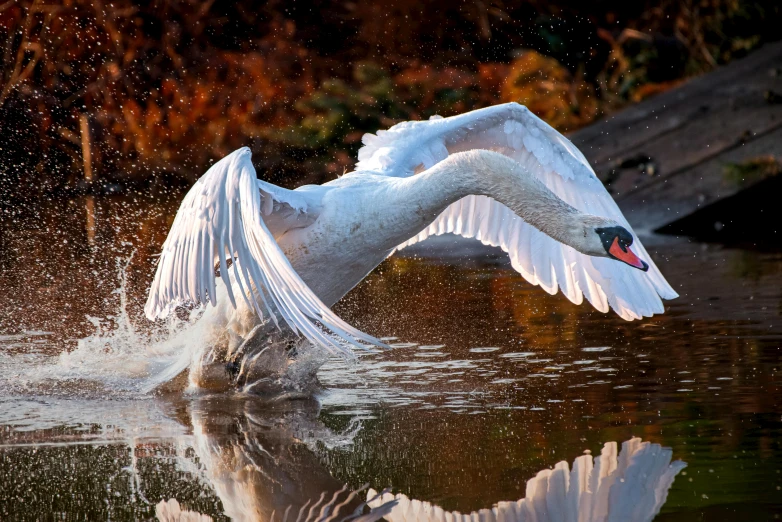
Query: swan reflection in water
x=260 y=459
x=629 y=487
x=261 y=463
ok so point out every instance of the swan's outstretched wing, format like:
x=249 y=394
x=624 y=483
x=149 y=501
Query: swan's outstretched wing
x=221 y=218
x=511 y=129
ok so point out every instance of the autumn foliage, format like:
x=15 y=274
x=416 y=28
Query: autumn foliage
x=168 y=86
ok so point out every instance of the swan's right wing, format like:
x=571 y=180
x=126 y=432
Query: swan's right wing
x=221 y=219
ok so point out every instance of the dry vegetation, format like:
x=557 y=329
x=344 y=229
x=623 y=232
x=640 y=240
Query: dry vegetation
x=168 y=86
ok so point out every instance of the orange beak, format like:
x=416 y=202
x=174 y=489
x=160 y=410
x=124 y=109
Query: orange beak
x=626 y=256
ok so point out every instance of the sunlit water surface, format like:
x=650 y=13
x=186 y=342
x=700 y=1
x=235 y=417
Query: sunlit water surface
x=490 y=381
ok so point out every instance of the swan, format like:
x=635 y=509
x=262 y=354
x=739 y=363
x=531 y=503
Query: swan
x=265 y=256
x=261 y=460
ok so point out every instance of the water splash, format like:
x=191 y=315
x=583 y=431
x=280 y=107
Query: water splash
x=124 y=358
x=118 y=357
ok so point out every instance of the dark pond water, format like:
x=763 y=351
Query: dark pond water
x=492 y=381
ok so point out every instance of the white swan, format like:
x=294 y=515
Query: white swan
x=500 y=175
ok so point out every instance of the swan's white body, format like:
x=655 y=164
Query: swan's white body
x=500 y=175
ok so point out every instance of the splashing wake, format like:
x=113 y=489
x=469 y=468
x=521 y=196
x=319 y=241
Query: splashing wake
x=122 y=358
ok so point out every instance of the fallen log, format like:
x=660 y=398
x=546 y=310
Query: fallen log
x=694 y=146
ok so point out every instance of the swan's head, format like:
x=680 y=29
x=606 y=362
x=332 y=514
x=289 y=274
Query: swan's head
x=607 y=238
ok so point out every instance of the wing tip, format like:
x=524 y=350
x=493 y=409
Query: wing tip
x=155 y=312
x=669 y=294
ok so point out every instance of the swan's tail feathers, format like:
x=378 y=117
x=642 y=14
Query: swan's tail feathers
x=631 y=486
x=221 y=221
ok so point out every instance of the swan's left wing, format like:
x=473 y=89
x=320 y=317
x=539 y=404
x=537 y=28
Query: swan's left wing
x=222 y=218
x=411 y=147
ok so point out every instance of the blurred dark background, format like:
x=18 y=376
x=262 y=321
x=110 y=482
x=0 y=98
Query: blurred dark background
x=154 y=91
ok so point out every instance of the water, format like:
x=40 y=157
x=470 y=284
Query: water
x=491 y=381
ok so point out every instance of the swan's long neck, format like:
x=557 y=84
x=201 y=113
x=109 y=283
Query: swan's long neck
x=487 y=173
x=377 y=214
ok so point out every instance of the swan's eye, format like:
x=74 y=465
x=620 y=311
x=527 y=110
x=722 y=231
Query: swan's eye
x=625 y=237
x=620 y=251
